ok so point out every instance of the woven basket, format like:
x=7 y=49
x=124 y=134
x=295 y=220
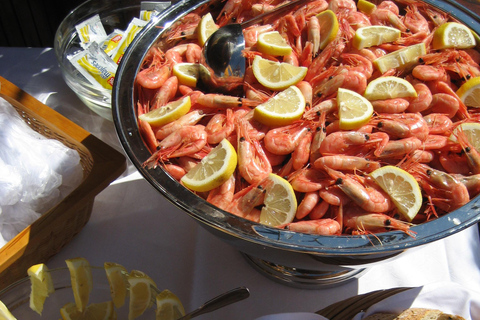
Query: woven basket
x=48 y=234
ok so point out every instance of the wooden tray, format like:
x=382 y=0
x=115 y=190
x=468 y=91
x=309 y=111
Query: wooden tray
x=48 y=234
x=347 y=309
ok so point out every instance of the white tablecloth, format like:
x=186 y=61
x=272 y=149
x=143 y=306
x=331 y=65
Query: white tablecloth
x=132 y=224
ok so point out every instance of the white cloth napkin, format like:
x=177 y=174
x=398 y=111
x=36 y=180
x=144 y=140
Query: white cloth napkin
x=448 y=297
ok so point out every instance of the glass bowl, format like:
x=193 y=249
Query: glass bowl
x=17 y=296
x=114 y=14
x=296 y=259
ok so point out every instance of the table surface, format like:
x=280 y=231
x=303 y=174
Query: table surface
x=132 y=224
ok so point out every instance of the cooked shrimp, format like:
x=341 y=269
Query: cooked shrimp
x=323 y=227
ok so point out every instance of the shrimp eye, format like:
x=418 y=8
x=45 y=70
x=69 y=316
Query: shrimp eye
x=158 y=148
x=408 y=30
x=380 y=124
x=234 y=19
x=467 y=149
x=330 y=78
x=324 y=129
x=420 y=60
x=318 y=129
x=319 y=94
x=388 y=222
x=242 y=139
x=367 y=137
x=468 y=76
x=339 y=181
x=429 y=172
x=307 y=104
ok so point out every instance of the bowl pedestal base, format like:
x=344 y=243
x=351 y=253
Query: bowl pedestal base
x=304 y=278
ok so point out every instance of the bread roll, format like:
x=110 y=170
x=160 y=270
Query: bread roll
x=415 y=314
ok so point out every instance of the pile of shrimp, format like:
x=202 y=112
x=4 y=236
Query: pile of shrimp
x=327 y=167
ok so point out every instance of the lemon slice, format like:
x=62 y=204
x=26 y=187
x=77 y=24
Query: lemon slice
x=277 y=75
x=168 y=113
x=453 y=35
x=5 y=314
x=273 y=43
x=142 y=293
x=400 y=58
x=328 y=27
x=366 y=6
x=471 y=131
x=213 y=170
x=469 y=92
x=402 y=188
x=374 y=35
x=280 y=204
x=353 y=109
x=284 y=108
x=81 y=279
x=41 y=286
x=206 y=28
x=169 y=307
x=117 y=279
x=389 y=88
x=187 y=73
x=94 y=311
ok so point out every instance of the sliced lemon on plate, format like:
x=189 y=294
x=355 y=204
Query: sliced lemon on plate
x=453 y=35
x=277 y=75
x=402 y=188
x=213 y=170
x=187 y=73
x=282 y=109
x=41 y=286
x=94 y=311
x=469 y=92
x=353 y=109
x=328 y=27
x=206 y=28
x=169 y=306
x=142 y=293
x=366 y=6
x=117 y=279
x=389 y=87
x=400 y=58
x=5 y=314
x=471 y=131
x=81 y=279
x=273 y=43
x=168 y=113
x=280 y=204
x=366 y=37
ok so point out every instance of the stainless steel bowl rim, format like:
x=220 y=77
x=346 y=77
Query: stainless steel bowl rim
x=382 y=243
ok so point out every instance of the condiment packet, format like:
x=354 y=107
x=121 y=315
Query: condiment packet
x=95 y=65
x=149 y=9
x=90 y=30
x=111 y=41
x=133 y=29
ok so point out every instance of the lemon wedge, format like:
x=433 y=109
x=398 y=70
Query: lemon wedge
x=328 y=27
x=353 y=109
x=402 y=188
x=280 y=204
x=94 y=311
x=213 y=170
x=168 y=113
x=81 y=279
x=169 y=307
x=366 y=37
x=400 y=58
x=117 y=279
x=142 y=293
x=282 y=109
x=469 y=92
x=366 y=6
x=453 y=35
x=41 y=286
x=273 y=43
x=5 y=314
x=277 y=75
x=471 y=131
x=206 y=28
x=389 y=87
x=187 y=73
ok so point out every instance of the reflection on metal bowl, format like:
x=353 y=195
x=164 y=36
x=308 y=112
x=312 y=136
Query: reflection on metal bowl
x=292 y=258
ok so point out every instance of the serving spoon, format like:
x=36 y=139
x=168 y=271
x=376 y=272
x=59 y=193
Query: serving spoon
x=223 y=53
x=218 y=302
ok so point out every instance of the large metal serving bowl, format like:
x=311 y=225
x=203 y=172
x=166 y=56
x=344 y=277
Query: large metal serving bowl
x=293 y=258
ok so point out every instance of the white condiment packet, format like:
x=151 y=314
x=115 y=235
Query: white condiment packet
x=90 y=30
x=149 y=9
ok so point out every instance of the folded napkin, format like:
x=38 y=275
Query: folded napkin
x=448 y=297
